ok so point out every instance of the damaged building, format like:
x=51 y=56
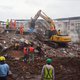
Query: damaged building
x=70 y=26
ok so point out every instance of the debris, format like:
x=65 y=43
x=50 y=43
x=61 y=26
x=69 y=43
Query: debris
x=66 y=61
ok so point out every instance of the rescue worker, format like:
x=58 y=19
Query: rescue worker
x=48 y=71
x=7 y=23
x=31 y=53
x=14 y=24
x=25 y=50
x=59 y=32
x=11 y=24
x=21 y=29
x=4 y=69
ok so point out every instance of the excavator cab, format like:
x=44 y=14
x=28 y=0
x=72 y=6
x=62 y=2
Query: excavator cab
x=49 y=33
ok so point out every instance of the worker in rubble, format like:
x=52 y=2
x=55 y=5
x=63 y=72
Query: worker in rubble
x=11 y=23
x=31 y=53
x=7 y=23
x=59 y=32
x=25 y=50
x=21 y=29
x=4 y=69
x=14 y=24
x=48 y=71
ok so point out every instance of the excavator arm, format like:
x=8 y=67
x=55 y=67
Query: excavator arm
x=33 y=20
x=41 y=14
x=49 y=20
x=37 y=15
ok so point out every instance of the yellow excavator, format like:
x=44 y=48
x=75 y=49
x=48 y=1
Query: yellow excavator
x=52 y=34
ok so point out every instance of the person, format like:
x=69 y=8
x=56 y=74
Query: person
x=14 y=23
x=4 y=69
x=48 y=71
x=21 y=29
x=59 y=32
x=25 y=51
x=31 y=53
x=7 y=23
x=11 y=24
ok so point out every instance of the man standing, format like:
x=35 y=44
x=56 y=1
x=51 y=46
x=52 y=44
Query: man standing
x=31 y=53
x=25 y=50
x=14 y=23
x=59 y=32
x=48 y=71
x=4 y=69
x=7 y=23
x=21 y=29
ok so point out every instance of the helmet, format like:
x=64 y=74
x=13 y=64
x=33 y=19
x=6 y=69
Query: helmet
x=2 y=58
x=48 y=61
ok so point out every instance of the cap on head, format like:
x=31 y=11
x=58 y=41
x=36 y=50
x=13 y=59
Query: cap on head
x=2 y=58
x=48 y=61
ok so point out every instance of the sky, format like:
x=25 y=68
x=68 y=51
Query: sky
x=25 y=9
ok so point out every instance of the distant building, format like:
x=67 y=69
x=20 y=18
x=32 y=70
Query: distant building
x=70 y=26
x=21 y=21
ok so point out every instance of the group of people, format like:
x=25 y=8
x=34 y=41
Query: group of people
x=47 y=72
x=28 y=53
x=29 y=50
x=11 y=24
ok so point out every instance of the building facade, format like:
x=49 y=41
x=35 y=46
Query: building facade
x=70 y=26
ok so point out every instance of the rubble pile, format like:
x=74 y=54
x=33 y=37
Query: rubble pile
x=66 y=61
x=65 y=68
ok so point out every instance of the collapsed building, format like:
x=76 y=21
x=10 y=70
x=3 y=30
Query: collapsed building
x=65 y=60
x=70 y=26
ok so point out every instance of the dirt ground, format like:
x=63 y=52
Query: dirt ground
x=66 y=68
x=66 y=61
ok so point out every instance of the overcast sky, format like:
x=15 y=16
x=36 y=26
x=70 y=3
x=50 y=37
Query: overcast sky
x=24 y=9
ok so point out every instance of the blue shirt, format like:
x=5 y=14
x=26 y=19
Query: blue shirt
x=4 y=69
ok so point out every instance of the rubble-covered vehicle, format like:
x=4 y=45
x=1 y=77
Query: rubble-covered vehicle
x=51 y=34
